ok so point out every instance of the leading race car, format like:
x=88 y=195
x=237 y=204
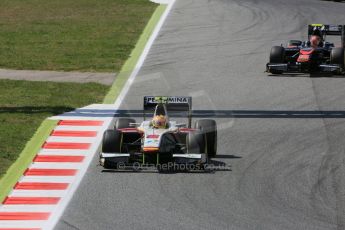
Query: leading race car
x=313 y=56
x=160 y=142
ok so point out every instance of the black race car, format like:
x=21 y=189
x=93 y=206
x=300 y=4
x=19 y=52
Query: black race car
x=301 y=57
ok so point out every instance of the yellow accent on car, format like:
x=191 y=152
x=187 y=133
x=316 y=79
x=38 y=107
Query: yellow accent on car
x=318 y=25
x=162 y=100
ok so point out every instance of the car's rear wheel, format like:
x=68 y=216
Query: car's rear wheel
x=209 y=128
x=123 y=123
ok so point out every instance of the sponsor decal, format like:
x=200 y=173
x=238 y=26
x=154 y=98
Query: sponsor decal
x=152 y=141
x=166 y=100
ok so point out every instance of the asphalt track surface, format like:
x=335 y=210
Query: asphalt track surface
x=286 y=172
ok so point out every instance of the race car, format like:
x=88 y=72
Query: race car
x=159 y=140
x=303 y=57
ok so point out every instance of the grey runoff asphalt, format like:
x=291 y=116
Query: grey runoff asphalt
x=286 y=173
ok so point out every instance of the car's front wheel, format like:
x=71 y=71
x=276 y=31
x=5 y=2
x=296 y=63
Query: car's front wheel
x=337 y=57
x=277 y=55
x=195 y=142
x=209 y=128
x=112 y=141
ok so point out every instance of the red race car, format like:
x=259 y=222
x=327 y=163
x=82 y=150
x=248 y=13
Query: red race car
x=313 y=56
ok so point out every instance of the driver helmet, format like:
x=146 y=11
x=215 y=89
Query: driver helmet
x=159 y=122
x=316 y=38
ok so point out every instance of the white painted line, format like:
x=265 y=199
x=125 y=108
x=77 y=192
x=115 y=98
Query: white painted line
x=78 y=128
x=38 y=193
x=72 y=187
x=66 y=151
x=143 y=56
x=56 y=165
x=62 y=152
x=53 y=179
x=94 y=148
x=73 y=117
x=100 y=107
x=161 y=1
x=27 y=208
x=83 y=117
x=21 y=223
x=72 y=139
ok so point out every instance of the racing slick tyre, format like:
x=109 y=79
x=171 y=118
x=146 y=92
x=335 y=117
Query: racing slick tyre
x=337 y=56
x=277 y=55
x=122 y=123
x=109 y=165
x=112 y=141
x=195 y=142
x=209 y=128
x=294 y=43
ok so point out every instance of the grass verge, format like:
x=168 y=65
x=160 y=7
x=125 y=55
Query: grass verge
x=32 y=103
x=24 y=105
x=80 y=35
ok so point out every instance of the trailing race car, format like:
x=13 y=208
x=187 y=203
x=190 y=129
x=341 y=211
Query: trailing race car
x=159 y=141
x=312 y=56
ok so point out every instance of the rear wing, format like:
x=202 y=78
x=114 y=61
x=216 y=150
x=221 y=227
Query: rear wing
x=173 y=104
x=333 y=30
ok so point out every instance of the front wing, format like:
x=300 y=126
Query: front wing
x=122 y=160
x=298 y=68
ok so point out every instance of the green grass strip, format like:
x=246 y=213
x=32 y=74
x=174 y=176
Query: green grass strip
x=34 y=145
x=131 y=62
x=17 y=169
